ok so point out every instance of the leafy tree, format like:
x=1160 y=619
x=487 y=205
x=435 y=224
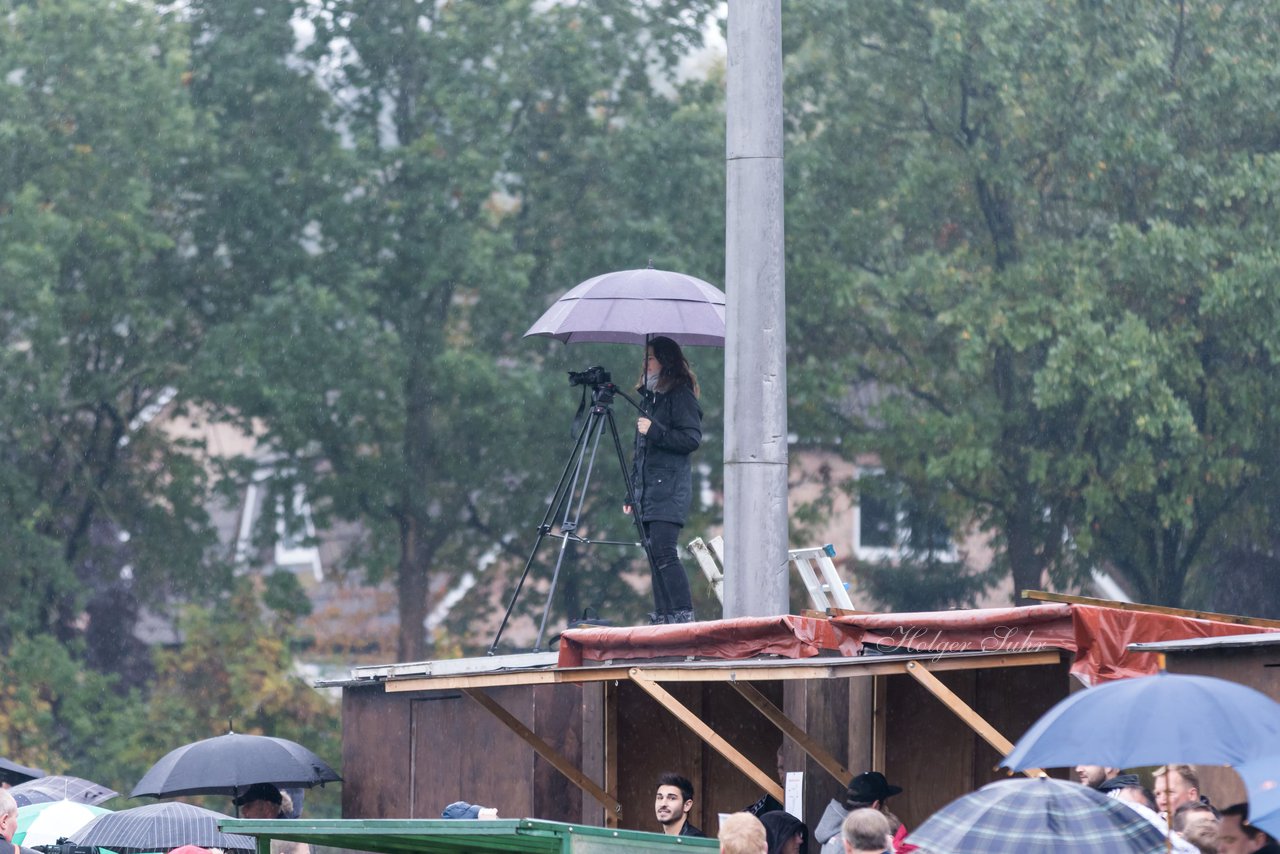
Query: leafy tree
x=1045 y=227
x=100 y=512
x=239 y=674
x=391 y=378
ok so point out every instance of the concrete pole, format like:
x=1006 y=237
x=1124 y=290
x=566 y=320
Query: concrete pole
x=755 y=445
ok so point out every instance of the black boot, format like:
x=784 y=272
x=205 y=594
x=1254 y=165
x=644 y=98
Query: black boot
x=684 y=615
x=658 y=618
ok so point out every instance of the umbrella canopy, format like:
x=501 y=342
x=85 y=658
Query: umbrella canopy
x=160 y=827
x=229 y=764
x=1262 y=781
x=60 y=787
x=1024 y=816
x=1209 y=721
x=632 y=306
x=45 y=823
x=12 y=772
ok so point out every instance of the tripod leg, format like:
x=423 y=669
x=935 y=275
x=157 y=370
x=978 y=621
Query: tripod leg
x=594 y=429
x=564 y=491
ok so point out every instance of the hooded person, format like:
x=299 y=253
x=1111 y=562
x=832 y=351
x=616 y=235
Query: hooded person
x=785 y=833
x=869 y=789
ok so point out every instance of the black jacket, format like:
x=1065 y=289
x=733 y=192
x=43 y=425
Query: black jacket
x=661 y=476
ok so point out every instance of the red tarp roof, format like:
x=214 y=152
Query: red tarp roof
x=1098 y=636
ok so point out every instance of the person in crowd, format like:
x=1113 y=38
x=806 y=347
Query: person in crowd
x=742 y=833
x=1198 y=824
x=1135 y=794
x=866 y=831
x=786 y=833
x=261 y=800
x=1189 y=815
x=868 y=789
x=1126 y=796
x=8 y=823
x=1237 y=836
x=1094 y=776
x=671 y=805
x=264 y=800
x=1175 y=785
x=668 y=431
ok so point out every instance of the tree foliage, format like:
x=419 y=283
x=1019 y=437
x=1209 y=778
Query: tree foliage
x=473 y=132
x=1046 y=240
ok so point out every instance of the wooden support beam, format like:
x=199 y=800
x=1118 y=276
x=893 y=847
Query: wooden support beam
x=879 y=722
x=962 y=709
x=779 y=719
x=707 y=734
x=545 y=750
x=1042 y=596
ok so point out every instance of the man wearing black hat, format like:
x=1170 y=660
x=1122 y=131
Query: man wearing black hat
x=261 y=800
x=869 y=789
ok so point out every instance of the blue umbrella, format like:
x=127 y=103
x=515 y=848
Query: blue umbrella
x=1262 y=781
x=1022 y=816
x=1153 y=720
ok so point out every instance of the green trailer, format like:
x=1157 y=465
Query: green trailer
x=410 y=836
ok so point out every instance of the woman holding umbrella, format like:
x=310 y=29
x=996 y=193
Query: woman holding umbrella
x=668 y=430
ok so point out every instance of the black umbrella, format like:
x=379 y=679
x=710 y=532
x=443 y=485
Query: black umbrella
x=59 y=787
x=12 y=772
x=159 y=827
x=229 y=764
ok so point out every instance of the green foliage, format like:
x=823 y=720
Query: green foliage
x=234 y=669
x=1044 y=229
x=920 y=585
x=389 y=375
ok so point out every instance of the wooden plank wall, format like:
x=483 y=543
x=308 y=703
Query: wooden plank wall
x=935 y=757
x=837 y=714
x=410 y=755
x=651 y=741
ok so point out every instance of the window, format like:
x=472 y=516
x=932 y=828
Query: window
x=889 y=522
x=294 y=531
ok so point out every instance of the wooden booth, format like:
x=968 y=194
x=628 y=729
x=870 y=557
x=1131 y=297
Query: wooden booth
x=580 y=736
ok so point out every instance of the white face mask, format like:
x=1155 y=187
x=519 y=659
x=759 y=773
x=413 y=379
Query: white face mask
x=651 y=382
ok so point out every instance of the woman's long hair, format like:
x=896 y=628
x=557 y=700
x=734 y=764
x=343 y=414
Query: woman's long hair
x=675 y=367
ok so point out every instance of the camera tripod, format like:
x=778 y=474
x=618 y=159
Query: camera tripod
x=570 y=495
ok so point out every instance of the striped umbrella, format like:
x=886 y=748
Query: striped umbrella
x=45 y=823
x=160 y=827
x=61 y=787
x=1040 y=816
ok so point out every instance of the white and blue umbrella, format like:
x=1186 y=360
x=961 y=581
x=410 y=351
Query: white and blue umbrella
x=46 y=822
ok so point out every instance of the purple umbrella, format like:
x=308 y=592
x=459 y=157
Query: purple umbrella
x=633 y=306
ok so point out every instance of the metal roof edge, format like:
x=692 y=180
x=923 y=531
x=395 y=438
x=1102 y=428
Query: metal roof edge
x=1223 y=642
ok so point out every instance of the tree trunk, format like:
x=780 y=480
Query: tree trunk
x=412 y=585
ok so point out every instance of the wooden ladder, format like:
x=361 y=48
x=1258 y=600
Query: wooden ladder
x=825 y=593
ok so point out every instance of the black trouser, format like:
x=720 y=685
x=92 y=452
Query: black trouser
x=670 y=582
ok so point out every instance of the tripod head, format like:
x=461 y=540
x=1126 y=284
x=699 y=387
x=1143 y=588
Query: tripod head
x=603 y=389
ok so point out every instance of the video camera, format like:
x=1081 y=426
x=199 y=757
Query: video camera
x=62 y=846
x=592 y=376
